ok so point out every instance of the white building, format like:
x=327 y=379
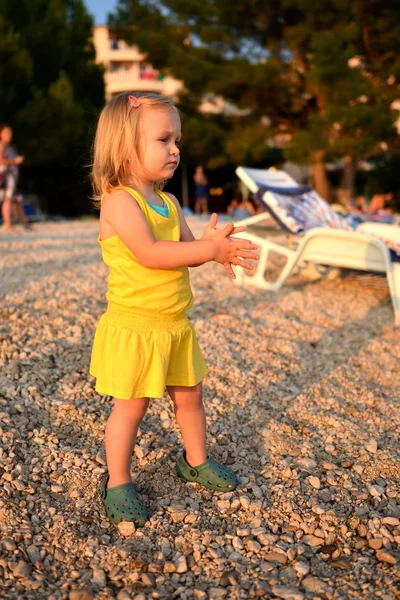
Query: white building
x=126 y=68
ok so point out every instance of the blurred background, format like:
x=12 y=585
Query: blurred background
x=313 y=88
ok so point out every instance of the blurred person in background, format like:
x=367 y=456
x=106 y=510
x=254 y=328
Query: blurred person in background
x=9 y=175
x=240 y=208
x=201 y=194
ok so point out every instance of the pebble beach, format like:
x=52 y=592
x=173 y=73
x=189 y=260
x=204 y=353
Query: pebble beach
x=302 y=401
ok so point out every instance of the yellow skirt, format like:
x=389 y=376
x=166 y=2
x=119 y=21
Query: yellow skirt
x=136 y=356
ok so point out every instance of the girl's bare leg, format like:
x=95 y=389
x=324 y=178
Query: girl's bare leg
x=190 y=414
x=121 y=431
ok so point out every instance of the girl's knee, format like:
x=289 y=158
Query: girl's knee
x=131 y=408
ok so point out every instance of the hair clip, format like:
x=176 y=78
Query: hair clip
x=134 y=101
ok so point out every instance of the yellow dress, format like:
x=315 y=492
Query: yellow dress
x=144 y=341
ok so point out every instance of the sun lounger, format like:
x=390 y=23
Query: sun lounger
x=323 y=237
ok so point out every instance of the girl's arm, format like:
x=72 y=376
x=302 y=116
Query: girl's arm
x=210 y=230
x=126 y=219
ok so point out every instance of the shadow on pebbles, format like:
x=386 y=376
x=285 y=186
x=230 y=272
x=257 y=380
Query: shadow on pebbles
x=302 y=400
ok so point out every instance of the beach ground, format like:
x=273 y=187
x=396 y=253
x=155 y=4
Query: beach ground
x=302 y=401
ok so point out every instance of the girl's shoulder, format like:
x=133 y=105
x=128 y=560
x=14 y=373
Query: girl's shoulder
x=119 y=195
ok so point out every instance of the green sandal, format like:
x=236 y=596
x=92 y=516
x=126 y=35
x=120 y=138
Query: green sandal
x=209 y=474
x=122 y=503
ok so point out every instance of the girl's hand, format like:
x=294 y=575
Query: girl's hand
x=19 y=160
x=232 y=250
x=211 y=230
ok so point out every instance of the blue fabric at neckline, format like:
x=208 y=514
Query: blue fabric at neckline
x=161 y=210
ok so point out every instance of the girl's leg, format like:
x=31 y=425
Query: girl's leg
x=190 y=414
x=121 y=430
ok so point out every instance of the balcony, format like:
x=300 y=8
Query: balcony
x=126 y=81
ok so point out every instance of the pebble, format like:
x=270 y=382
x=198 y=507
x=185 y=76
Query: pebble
x=307 y=463
x=126 y=528
x=375 y=543
x=301 y=567
x=312 y=540
x=315 y=482
x=372 y=446
x=277 y=557
x=316 y=585
x=386 y=557
x=287 y=592
x=81 y=594
x=8 y=544
x=22 y=569
x=181 y=565
x=99 y=577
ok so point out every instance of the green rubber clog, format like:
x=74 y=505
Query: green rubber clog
x=209 y=474
x=122 y=503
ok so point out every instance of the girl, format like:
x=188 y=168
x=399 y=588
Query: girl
x=144 y=342
x=9 y=175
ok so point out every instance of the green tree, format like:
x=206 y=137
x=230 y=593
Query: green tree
x=321 y=73
x=52 y=91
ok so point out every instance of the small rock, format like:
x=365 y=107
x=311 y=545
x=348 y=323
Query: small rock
x=301 y=567
x=307 y=463
x=124 y=595
x=8 y=544
x=126 y=528
x=315 y=482
x=384 y=556
x=277 y=557
x=237 y=543
x=169 y=567
x=245 y=501
x=376 y=490
x=57 y=488
x=316 y=586
x=148 y=579
x=328 y=549
x=181 y=565
x=391 y=521
x=81 y=594
x=375 y=543
x=253 y=546
x=342 y=563
x=287 y=592
x=216 y=593
x=372 y=446
x=312 y=540
x=22 y=569
x=99 y=577
x=33 y=554
x=243 y=532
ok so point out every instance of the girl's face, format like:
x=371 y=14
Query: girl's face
x=160 y=133
x=6 y=135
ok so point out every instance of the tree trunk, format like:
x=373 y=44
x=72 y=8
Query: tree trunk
x=346 y=186
x=320 y=180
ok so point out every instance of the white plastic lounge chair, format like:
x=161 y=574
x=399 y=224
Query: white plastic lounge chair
x=324 y=237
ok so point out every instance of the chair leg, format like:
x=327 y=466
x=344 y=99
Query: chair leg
x=393 y=277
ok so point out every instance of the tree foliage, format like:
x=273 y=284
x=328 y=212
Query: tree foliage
x=322 y=71
x=52 y=91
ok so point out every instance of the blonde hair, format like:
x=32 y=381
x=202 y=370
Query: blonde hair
x=117 y=140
